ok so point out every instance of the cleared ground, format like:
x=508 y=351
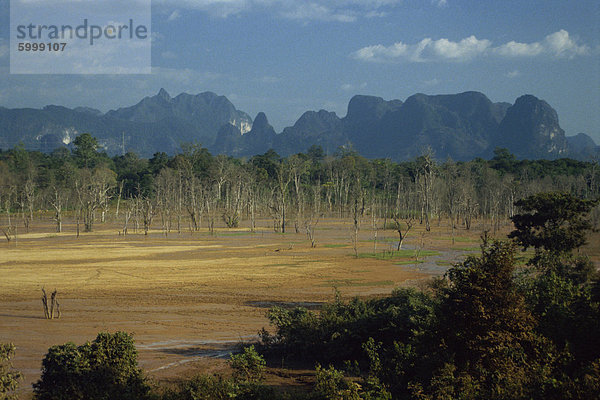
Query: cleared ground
x=189 y=297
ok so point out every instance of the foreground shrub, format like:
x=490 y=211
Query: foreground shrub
x=339 y=331
x=215 y=387
x=104 y=369
x=9 y=378
x=248 y=366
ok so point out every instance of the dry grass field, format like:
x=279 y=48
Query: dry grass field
x=189 y=297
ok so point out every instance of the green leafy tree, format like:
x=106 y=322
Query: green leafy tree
x=553 y=221
x=332 y=385
x=485 y=346
x=103 y=369
x=248 y=366
x=85 y=151
x=559 y=289
x=9 y=378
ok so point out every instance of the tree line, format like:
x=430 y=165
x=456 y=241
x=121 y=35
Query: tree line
x=194 y=189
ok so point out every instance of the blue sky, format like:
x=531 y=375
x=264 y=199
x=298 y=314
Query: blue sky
x=285 y=57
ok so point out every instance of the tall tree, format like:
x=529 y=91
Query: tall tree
x=556 y=221
x=85 y=151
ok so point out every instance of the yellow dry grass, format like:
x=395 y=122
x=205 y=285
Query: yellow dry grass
x=185 y=295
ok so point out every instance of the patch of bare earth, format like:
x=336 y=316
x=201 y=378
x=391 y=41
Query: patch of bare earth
x=189 y=298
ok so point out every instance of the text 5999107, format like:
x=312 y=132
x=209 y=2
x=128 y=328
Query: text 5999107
x=26 y=46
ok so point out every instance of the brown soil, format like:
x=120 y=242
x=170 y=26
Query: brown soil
x=190 y=298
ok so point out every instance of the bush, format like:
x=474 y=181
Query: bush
x=9 y=378
x=331 y=385
x=338 y=332
x=103 y=369
x=248 y=367
x=205 y=387
x=209 y=387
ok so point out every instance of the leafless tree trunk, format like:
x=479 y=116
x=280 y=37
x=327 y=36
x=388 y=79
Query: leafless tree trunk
x=119 y=198
x=283 y=181
x=402 y=233
x=52 y=310
x=57 y=201
x=425 y=181
x=356 y=225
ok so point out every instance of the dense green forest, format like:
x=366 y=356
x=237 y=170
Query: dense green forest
x=194 y=189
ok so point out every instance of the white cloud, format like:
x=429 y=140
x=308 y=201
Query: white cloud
x=426 y=50
x=440 y=3
x=513 y=74
x=562 y=45
x=312 y=10
x=376 y=14
x=515 y=49
x=559 y=45
x=460 y=51
x=349 y=87
x=432 y=82
x=174 y=15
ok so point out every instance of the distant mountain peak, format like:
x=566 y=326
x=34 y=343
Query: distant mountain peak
x=163 y=94
x=261 y=121
x=530 y=129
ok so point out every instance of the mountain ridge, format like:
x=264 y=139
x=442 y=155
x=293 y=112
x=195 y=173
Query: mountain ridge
x=459 y=126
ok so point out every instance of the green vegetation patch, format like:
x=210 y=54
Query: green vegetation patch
x=460 y=239
x=292 y=265
x=382 y=240
x=472 y=248
x=236 y=233
x=335 y=245
x=393 y=255
x=409 y=262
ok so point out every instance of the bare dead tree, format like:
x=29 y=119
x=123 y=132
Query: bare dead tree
x=425 y=182
x=166 y=196
x=119 y=195
x=9 y=232
x=420 y=246
x=51 y=310
x=147 y=213
x=356 y=225
x=29 y=192
x=235 y=189
x=251 y=195
x=210 y=201
x=313 y=216
x=403 y=233
x=127 y=217
x=283 y=180
x=298 y=168
x=58 y=199
x=93 y=189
